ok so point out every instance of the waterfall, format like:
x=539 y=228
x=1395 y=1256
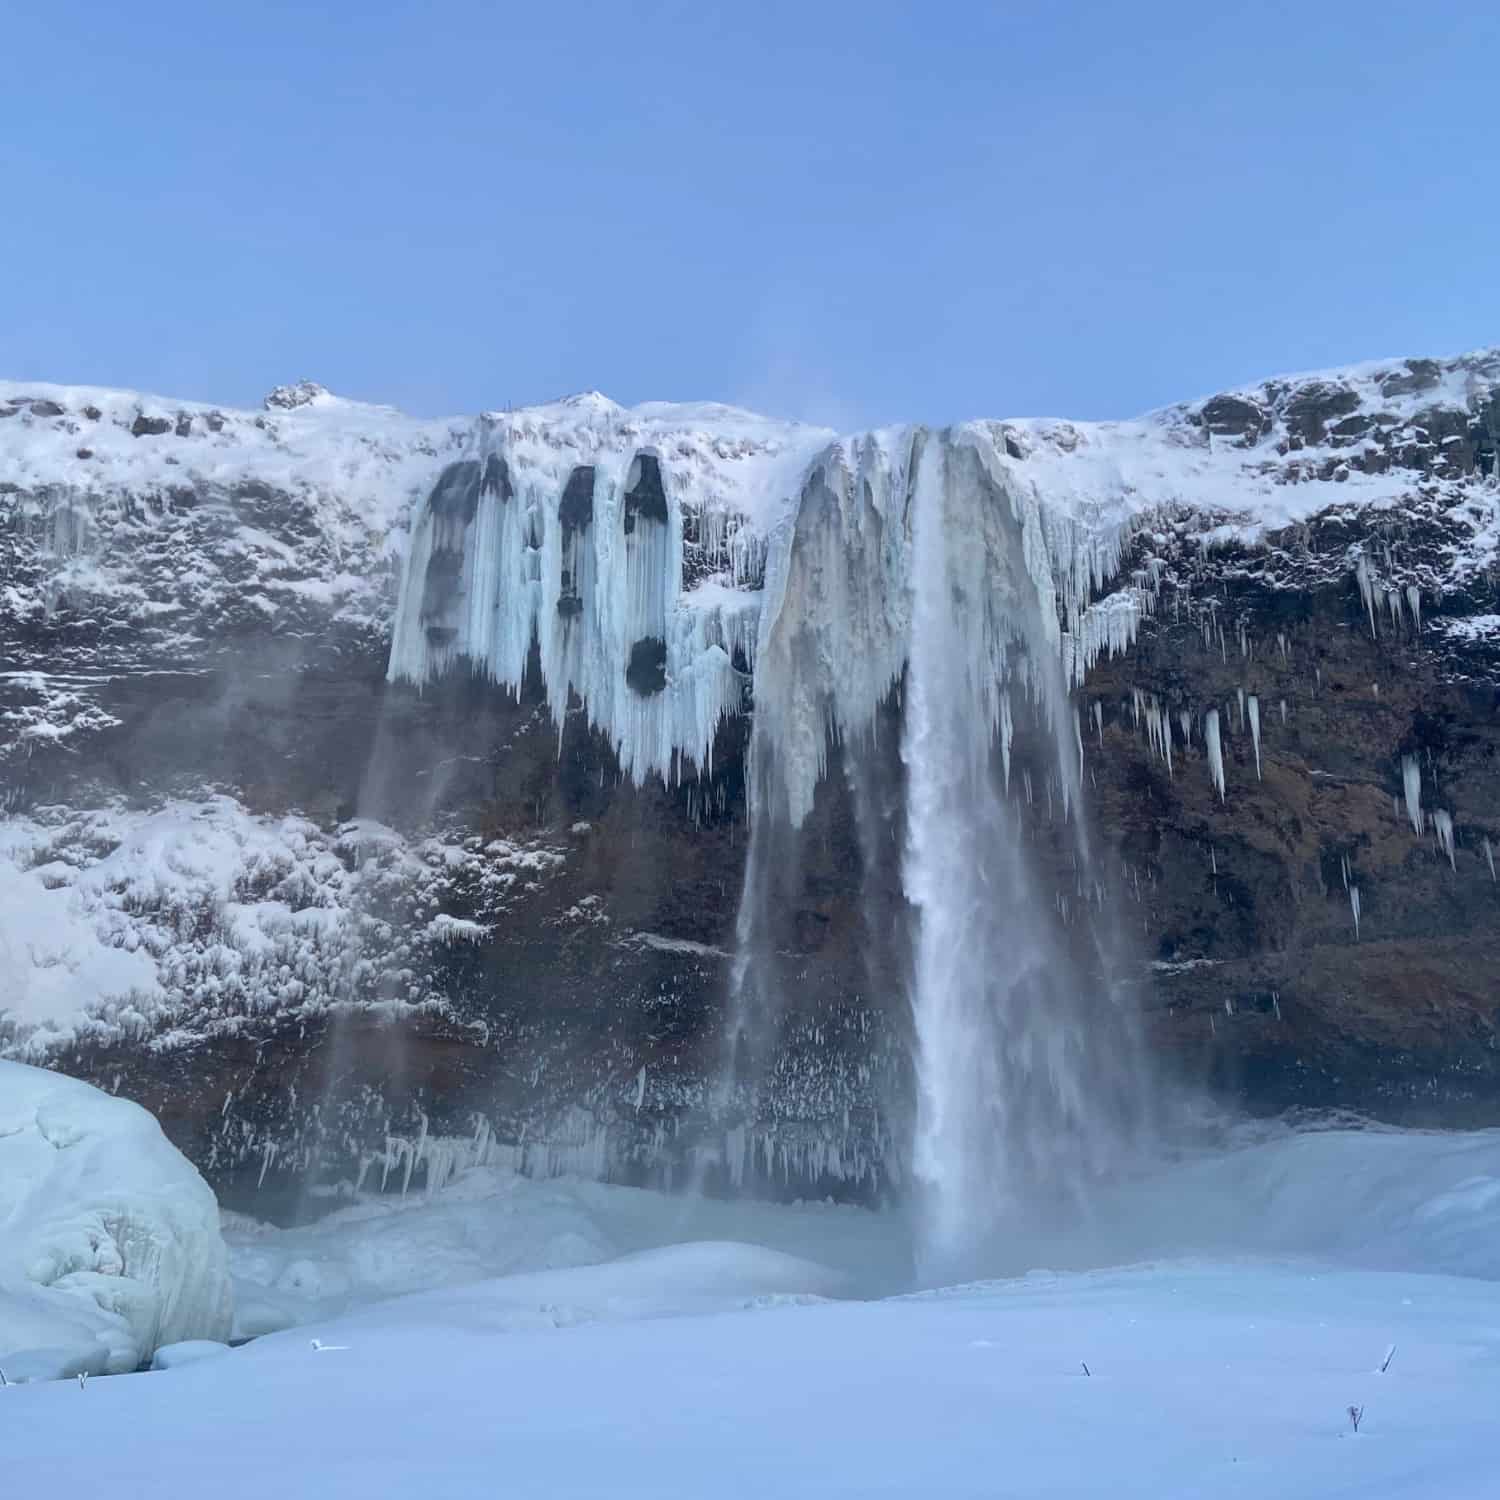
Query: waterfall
x=935 y=578
x=1026 y=1078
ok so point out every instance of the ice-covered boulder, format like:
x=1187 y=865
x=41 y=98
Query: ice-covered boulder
x=109 y=1239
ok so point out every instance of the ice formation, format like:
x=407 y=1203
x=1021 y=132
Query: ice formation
x=1442 y=826
x=1253 y=708
x=109 y=1238
x=568 y=529
x=1411 y=782
x=1215 y=750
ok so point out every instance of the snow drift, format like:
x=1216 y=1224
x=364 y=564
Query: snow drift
x=109 y=1239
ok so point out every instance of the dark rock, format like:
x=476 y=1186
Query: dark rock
x=575 y=512
x=496 y=479
x=646 y=498
x=1235 y=416
x=646 y=671
x=455 y=496
x=46 y=409
x=145 y=426
x=1315 y=407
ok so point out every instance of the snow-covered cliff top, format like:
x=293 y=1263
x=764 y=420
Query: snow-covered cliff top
x=1270 y=454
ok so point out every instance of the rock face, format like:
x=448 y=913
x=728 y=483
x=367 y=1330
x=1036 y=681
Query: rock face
x=327 y=899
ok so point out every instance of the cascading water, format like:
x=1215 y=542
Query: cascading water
x=1017 y=1106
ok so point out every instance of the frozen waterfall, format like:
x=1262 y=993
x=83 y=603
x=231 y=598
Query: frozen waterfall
x=932 y=573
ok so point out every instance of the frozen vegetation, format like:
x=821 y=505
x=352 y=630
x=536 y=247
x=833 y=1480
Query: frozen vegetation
x=178 y=921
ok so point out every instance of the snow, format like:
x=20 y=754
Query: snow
x=187 y=1352
x=736 y=1368
x=110 y=1243
x=1474 y=628
x=494 y=1222
x=365 y=463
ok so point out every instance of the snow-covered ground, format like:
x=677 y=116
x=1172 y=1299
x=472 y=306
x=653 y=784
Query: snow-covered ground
x=1201 y=1379
x=571 y=1338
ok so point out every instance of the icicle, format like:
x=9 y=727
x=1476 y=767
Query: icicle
x=1411 y=781
x=1366 y=581
x=1489 y=859
x=1185 y=723
x=1442 y=823
x=1241 y=700
x=1283 y=713
x=1414 y=604
x=1253 y=706
x=1215 y=749
x=1213 y=862
x=1098 y=712
x=1078 y=739
x=1281 y=643
x=1354 y=907
x=1007 y=732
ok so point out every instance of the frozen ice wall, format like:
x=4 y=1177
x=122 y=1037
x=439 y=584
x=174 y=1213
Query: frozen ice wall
x=624 y=547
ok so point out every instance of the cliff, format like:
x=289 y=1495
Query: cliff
x=373 y=783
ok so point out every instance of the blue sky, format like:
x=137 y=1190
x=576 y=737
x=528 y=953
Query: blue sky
x=853 y=213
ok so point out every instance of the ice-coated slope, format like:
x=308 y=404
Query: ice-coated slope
x=109 y=1239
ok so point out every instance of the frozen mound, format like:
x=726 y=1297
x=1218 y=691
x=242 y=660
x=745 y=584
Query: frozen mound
x=109 y=1239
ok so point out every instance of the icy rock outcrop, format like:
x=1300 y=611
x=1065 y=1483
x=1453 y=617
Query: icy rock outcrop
x=109 y=1239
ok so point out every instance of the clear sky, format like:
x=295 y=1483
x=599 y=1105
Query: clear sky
x=854 y=213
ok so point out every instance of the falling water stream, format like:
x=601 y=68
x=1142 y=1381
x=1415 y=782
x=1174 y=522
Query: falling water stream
x=1019 y=1050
